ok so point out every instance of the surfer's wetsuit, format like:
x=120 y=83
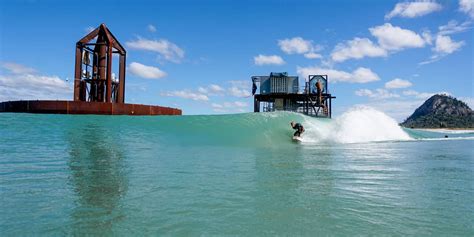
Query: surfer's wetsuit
x=299 y=129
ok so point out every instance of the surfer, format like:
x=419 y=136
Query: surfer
x=298 y=127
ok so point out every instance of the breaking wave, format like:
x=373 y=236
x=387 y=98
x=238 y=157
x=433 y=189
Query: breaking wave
x=357 y=125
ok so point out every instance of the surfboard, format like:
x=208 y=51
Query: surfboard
x=296 y=139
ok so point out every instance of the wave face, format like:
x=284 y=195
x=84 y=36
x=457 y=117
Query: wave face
x=357 y=125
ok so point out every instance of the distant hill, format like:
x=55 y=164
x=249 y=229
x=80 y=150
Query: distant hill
x=441 y=111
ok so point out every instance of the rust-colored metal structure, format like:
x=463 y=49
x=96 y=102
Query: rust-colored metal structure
x=94 y=81
x=96 y=89
x=79 y=107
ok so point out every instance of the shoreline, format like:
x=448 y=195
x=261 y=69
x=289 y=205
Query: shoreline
x=447 y=130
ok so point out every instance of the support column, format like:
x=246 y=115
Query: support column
x=77 y=73
x=256 y=105
x=108 y=97
x=121 y=88
x=101 y=50
x=330 y=106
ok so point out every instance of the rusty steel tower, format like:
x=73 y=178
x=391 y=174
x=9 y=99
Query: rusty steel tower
x=97 y=90
x=95 y=80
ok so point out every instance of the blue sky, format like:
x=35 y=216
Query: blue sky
x=199 y=55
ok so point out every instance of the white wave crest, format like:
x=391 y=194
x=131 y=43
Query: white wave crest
x=359 y=124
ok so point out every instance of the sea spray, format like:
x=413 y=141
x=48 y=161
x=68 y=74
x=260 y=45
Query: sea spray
x=358 y=124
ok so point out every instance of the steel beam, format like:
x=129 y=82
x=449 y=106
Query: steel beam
x=121 y=89
x=108 y=97
x=77 y=72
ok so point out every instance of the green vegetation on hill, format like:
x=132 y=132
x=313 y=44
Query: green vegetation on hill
x=441 y=111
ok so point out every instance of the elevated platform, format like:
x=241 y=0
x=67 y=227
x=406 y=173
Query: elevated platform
x=280 y=92
x=82 y=107
x=309 y=104
x=292 y=96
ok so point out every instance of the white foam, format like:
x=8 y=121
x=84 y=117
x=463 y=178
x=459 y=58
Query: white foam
x=359 y=124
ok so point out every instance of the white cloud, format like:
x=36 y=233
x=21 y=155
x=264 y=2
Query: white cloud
x=298 y=45
x=454 y=27
x=376 y=94
x=413 y=9
x=363 y=75
x=356 y=48
x=422 y=95
x=186 y=94
x=468 y=100
x=148 y=72
x=419 y=95
x=389 y=39
x=363 y=92
x=240 y=88
x=241 y=83
x=360 y=75
x=312 y=55
x=18 y=68
x=212 y=89
x=241 y=104
x=151 y=28
x=268 y=60
x=219 y=110
x=217 y=106
x=24 y=84
x=202 y=90
x=427 y=37
x=215 y=88
x=237 y=89
x=467 y=6
x=397 y=108
x=165 y=48
x=238 y=106
x=397 y=83
x=395 y=38
x=445 y=45
x=432 y=59
x=239 y=92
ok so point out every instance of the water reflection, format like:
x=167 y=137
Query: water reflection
x=98 y=177
x=278 y=178
x=295 y=186
x=320 y=175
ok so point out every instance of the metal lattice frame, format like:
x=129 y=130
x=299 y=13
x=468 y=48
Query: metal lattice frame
x=91 y=87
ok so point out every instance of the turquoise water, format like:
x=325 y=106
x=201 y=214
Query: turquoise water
x=359 y=174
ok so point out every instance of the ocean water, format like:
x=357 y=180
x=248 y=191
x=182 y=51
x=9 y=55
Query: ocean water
x=358 y=174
